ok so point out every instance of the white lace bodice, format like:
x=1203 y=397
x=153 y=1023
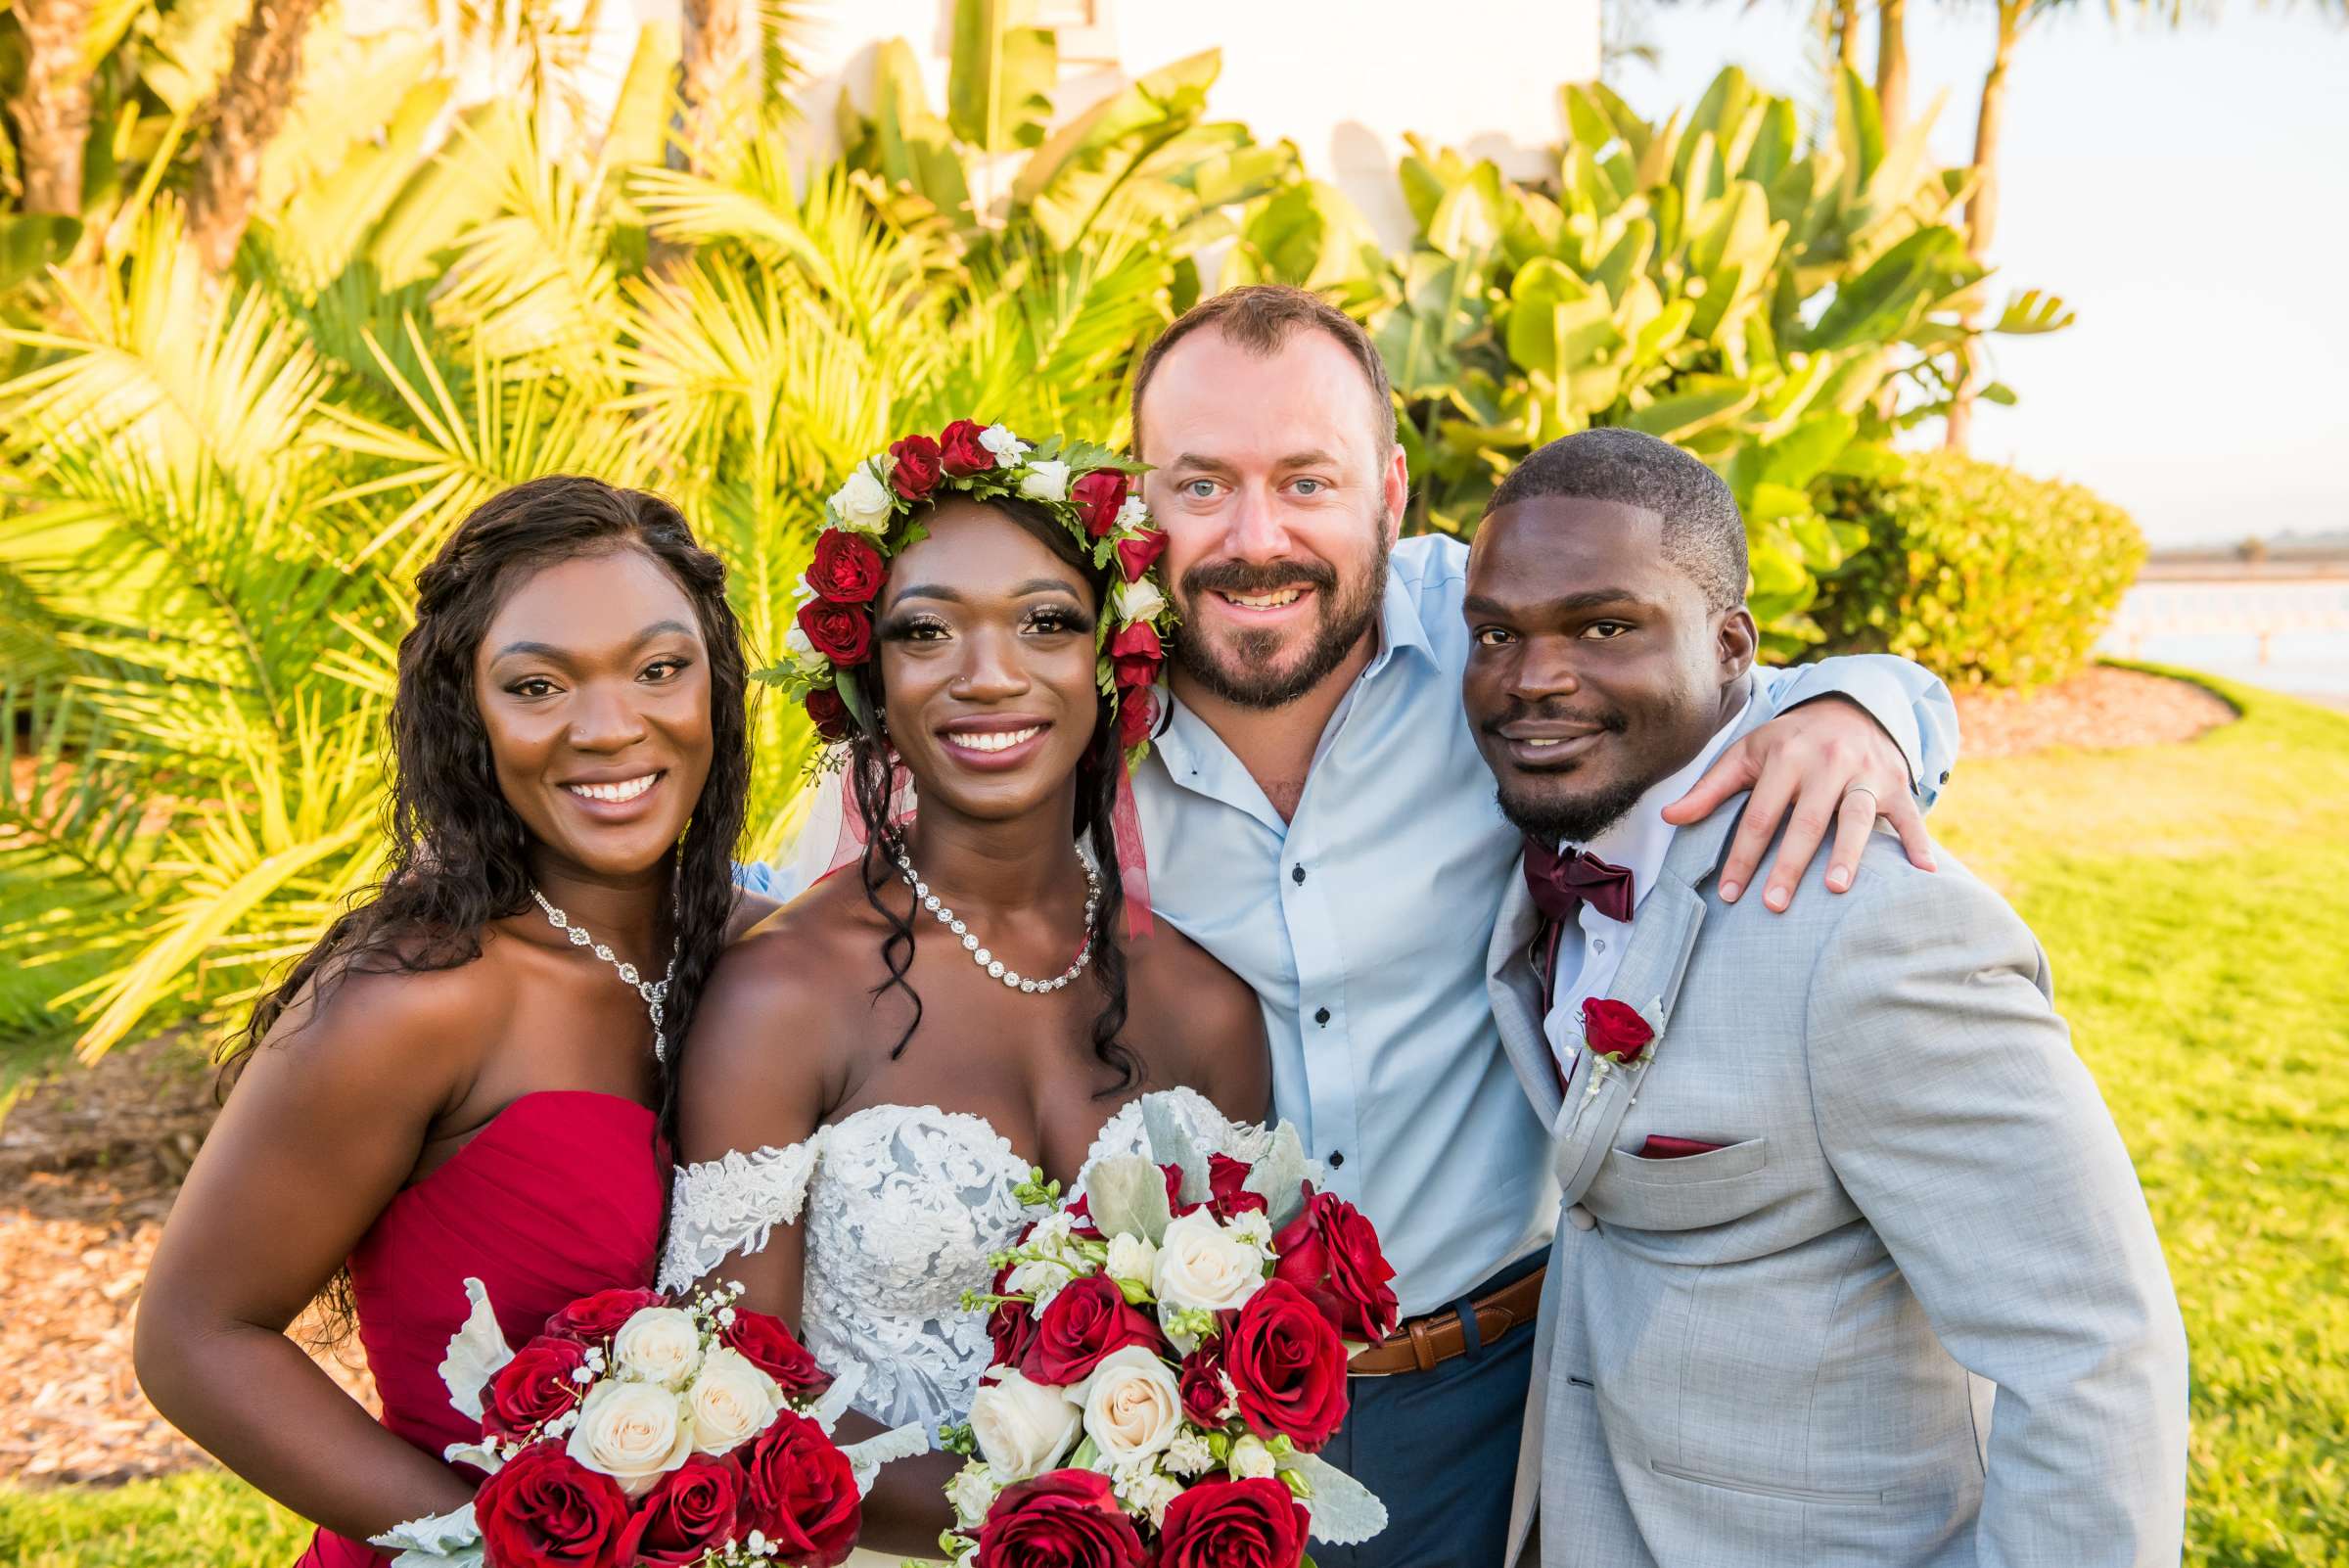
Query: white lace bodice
x=902 y=1206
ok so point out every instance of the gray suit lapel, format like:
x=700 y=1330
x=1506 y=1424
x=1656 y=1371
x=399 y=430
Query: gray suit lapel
x=1515 y=992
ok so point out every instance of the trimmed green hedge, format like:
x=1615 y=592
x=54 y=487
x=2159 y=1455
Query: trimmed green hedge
x=1984 y=576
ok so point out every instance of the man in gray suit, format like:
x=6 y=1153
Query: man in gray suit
x=1852 y=1267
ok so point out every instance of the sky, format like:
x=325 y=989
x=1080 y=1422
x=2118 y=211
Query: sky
x=2185 y=192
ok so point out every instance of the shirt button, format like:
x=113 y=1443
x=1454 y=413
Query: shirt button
x=1322 y=1017
x=1337 y=1156
x=1599 y=944
x=1945 y=775
x=1297 y=874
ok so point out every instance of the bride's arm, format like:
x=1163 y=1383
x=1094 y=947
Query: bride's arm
x=325 y=1124
x=760 y=1068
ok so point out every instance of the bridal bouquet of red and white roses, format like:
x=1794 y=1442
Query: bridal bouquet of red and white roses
x=1170 y=1355
x=638 y=1430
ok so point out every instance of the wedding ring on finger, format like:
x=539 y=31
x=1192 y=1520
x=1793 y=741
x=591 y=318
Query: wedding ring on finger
x=1862 y=789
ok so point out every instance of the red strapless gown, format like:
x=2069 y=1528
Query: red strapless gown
x=559 y=1196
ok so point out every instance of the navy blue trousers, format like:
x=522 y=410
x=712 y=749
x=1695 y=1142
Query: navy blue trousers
x=1440 y=1448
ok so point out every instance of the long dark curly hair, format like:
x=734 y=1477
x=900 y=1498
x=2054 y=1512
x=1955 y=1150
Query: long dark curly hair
x=871 y=778
x=459 y=852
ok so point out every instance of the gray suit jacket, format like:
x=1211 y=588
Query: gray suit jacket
x=1913 y=1312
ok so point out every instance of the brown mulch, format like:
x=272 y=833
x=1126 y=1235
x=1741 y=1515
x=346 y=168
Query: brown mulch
x=2099 y=709
x=89 y=1162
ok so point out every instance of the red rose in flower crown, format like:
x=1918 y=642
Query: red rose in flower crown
x=962 y=453
x=829 y=714
x=1136 y=654
x=847 y=570
x=918 y=466
x=1099 y=495
x=1255 y=1523
x=1614 y=1030
x=1140 y=551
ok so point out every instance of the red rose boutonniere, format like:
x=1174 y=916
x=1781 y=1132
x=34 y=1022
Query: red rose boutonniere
x=1617 y=1038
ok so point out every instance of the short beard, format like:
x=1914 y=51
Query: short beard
x=1575 y=821
x=1248 y=679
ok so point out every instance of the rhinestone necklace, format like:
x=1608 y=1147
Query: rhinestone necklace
x=995 y=966
x=654 y=991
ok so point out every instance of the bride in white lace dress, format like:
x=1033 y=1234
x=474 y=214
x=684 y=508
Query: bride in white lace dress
x=866 y=1102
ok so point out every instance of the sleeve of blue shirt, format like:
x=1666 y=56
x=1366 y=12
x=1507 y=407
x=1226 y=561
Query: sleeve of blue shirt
x=778 y=883
x=1908 y=700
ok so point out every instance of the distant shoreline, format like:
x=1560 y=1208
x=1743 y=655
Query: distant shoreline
x=2182 y=567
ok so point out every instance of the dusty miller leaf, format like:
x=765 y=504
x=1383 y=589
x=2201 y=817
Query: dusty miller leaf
x=1129 y=1196
x=1279 y=1177
x=1170 y=1144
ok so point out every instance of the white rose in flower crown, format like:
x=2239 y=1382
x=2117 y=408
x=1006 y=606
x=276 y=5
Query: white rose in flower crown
x=998 y=439
x=1132 y=515
x=863 y=504
x=1047 y=480
x=1250 y=1458
x=1136 y=602
x=1201 y=1267
x=659 y=1345
x=801 y=650
x=635 y=1433
x=1132 y=1409
x=732 y=1401
x=1130 y=1256
x=1022 y=1428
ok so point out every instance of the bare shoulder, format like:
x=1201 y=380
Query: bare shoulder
x=386 y=1019
x=1199 y=1018
x=778 y=999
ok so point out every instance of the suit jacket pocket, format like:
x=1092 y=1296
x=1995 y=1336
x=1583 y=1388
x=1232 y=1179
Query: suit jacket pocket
x=1688 y=1193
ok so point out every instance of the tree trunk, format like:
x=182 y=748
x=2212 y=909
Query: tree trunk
x=1982 y=210
x=1892 y=64
x=721 y=89
x=1847 y=34
x=246 y=112
x=53 y=112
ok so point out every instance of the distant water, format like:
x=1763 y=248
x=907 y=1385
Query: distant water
x=2217 y=625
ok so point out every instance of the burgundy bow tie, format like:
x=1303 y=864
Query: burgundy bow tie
x=1561 y=884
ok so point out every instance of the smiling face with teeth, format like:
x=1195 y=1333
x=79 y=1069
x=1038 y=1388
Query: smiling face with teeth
x=593 y=684
x=987 y=664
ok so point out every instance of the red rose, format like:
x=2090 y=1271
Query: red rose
x=1060 y=1519
x=1331 y=1254
x=1139 y=553
x=1086 y=1320
x=1233 y=1524
x=829 y=714
x=1138 y=715
x=691 y=1512
x=768 y=1343
x=1224 y=1178
x=800 y=1492
x=1099 y=495
x=1614 y=1028
x=1205 y=1399
x=1136 y=654
x=599 y=1317
x=914 y=475
x=1287 y=1364
x=959 y=450
x=841 y=632
x=847 y=570
x=534 y=1387
x=546 y=1511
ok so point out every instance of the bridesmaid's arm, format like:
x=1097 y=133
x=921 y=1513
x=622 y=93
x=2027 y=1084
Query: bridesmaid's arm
x=322 y=1129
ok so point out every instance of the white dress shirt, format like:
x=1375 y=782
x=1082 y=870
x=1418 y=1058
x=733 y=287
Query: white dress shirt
x=1637 y=841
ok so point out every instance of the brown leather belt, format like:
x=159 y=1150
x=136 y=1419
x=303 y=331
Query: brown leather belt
x=1425 y=1343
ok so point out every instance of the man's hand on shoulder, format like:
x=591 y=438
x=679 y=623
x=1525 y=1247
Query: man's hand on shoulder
x=1825 y=765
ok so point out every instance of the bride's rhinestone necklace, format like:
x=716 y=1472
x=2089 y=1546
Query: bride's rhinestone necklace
x=986 y=961
x=654 y=991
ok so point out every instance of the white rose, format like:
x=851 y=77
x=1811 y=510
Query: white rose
x=1201 y=1267
x=1132 y=1409
x=1022 y=1428
x=1131 y=1258
x=863 y=504
x=635 y=1433
x=1047 y=480
x=1250 y=1458
x=972 y=1492
x=732 y=1401
x=998 y=439
x=1136 y=602
x=659 y=1345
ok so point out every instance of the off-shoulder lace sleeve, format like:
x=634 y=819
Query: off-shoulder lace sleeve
x=732 y=1204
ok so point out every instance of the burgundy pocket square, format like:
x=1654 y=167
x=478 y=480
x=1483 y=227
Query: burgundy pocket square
x=1659 y=1147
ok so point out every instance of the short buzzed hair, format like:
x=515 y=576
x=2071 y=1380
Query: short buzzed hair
x=1704 y=534
x=1259 y=317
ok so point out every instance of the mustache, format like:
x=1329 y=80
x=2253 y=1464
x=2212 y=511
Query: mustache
x=1611 y=720
x=1258 y=576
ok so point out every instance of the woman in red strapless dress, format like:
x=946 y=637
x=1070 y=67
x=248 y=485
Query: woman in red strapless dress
x=456 y=1082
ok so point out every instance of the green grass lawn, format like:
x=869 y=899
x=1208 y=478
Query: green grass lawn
x=2195 y=902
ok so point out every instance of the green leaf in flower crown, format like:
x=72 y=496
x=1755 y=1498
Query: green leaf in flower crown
x=1170 y=1144
x=1128 y=1196
x=1084 y=456
x=845 y=684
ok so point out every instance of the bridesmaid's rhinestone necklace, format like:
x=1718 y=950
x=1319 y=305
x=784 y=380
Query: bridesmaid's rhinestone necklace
x=654 y=991
x=995 y=966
